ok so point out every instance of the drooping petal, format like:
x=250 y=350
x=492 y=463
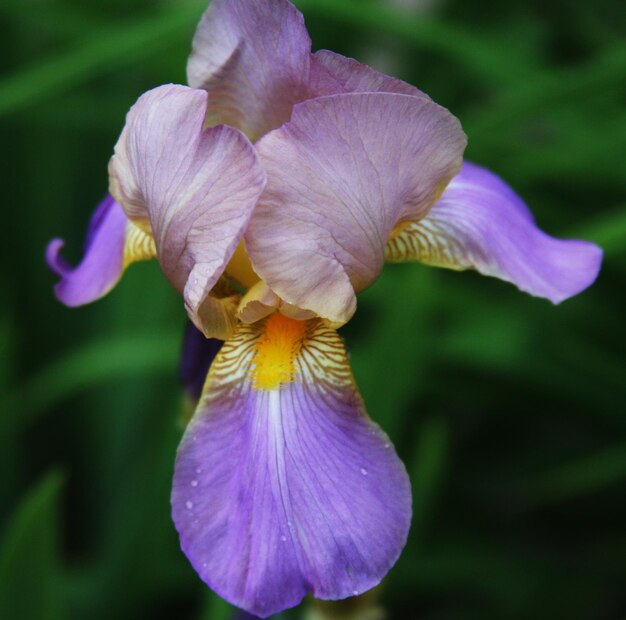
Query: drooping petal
x=341 y=175
x=333 y=73
x=113 y=242
x=253 y=60
x=197 y=356
x=480 y=223
x=282 y=484
x=194 y=189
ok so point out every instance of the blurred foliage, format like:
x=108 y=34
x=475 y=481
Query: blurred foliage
x=509 y=412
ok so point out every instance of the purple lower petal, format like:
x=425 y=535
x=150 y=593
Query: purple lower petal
x=292 y=489
x=102 y=263
x=481 y=223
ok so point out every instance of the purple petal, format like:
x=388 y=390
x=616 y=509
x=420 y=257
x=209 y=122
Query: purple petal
x=333 y=73
x=481 y=223
x=253 y=59
x=194 y=189
x=109 y=248
x=289 y=488
x=341 y=175
x=196 y=359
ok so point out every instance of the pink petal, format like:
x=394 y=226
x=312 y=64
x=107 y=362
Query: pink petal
x=333 y=73
x=194 y=189
x=341 y=175
x=253 y=59
x=480 y=223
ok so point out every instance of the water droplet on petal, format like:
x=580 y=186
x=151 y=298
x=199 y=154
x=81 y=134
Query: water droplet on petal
x=364 y=471
x=355 y=592
x=194 y=483
x=283 y=538
x=189 y=505
x=199 y=470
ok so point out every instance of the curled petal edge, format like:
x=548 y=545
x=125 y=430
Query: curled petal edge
x=113 y=243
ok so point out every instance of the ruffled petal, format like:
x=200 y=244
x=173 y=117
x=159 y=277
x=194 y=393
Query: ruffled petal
x=257 y=303
x=333 y=74
x=112 y=244
x=194 y=189
x=282 y=484
x=480 y=223
x=253 y=60
x=341 y=175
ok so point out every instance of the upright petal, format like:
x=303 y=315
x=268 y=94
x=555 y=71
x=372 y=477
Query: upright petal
x=194 y=189
x=332 y=74
x=113 y=242
x=253 y=59
x=341 y=175
x=480 y=223
x=282 y=484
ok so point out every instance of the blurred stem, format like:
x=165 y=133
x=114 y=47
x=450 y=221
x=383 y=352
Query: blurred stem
x=427 y=472
x=215 y=608
x=363 y=607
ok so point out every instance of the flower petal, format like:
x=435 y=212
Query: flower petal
x=283 y=487
x=481 y=223
x=253 y=59
x=341 y=174
x=113 y=243
x=194 y=189
x=333 y=73
x=259 y=302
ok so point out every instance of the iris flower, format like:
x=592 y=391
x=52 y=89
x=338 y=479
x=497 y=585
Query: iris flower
x=272 y=190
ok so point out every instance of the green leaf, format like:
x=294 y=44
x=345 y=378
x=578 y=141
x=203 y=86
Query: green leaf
x=579 y=477
x=101 y=52
x=29 y=566
x=91 y=365
x=492 y=61
x=389 y=357
x=546 y=91
x=608 y=230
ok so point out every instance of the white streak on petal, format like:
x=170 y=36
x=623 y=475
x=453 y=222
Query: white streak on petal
x=282 y=506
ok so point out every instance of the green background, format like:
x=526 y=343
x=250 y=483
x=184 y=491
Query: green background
x=509 y=412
